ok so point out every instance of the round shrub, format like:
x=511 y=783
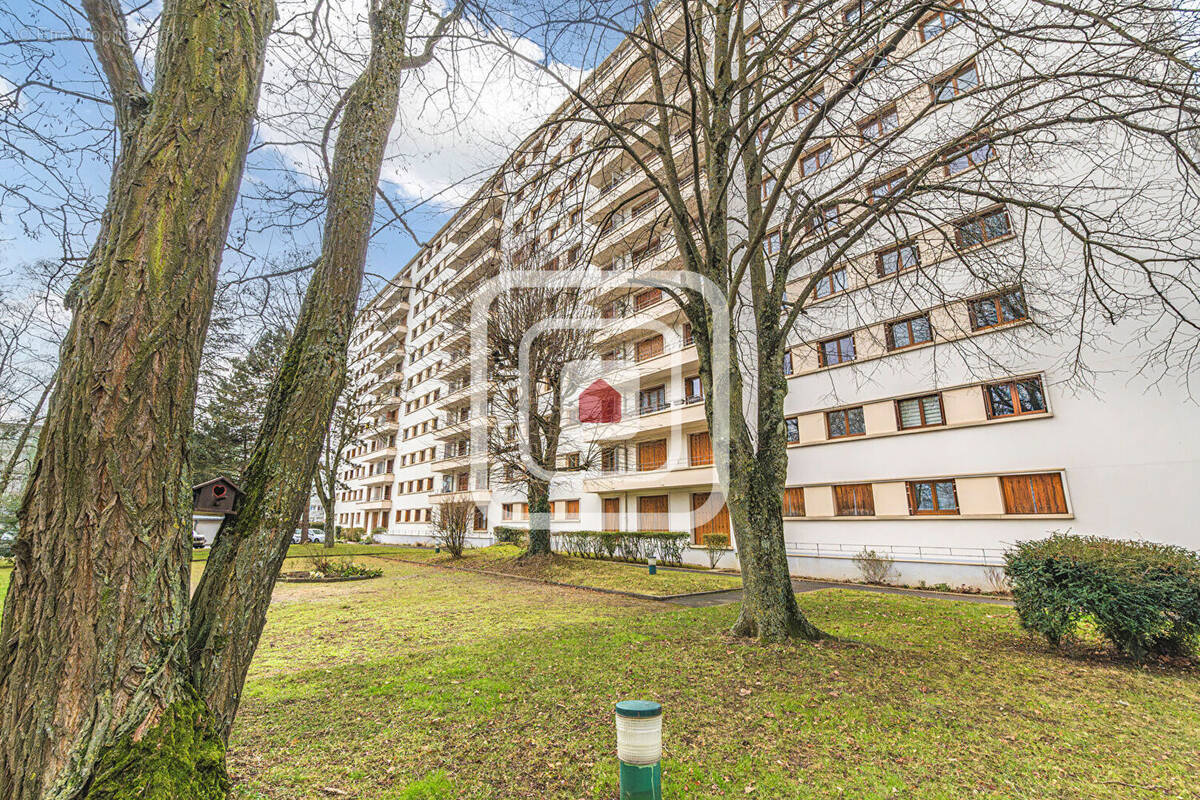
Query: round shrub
x=1143 y=597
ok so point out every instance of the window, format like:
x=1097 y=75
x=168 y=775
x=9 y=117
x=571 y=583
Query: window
x=793 y=502
x=854 y=500
x=815 y=161
x=1013 y=398
x=647 y=298
x=845 y=422
x=879 y=125
x=700 y=452
x=971 y=155
x=822 y=221
x=837 y=351
x=932 y=497
x=791 y=428
x=897 y=259
x=506 y=511
x=1033 y=494
x=718 y=524
x=688 y=338
x=886 y=187
x=649 y=348
x=772 y=242
x=941 y=21
x=963 y=80
x=651 y=455
x=809 y=105
x=855 y=12
x=651 y=400
x=919 y=412
x=834 y=281
x=908 y=332
x=982 y=228
x=997 y=309
x=652 y=513
x=573 y=461
x=572 y=509
x=767 y=186
x=788 y=367
x=693 y=390
x=609 y=460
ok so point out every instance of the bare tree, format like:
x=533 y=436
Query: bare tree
x=343 y=432
x=452 y=521
x=538 y=325
x=782 y=143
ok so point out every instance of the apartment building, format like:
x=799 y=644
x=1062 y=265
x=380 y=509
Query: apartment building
x=934 y=430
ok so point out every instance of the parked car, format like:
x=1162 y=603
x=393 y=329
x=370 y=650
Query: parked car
x=314 y=535
x=198 y=542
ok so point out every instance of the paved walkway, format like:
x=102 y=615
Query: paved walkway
x=735 y=595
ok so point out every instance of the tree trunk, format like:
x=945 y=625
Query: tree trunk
x=94 y=675
x=539 y=517
x=230 y=604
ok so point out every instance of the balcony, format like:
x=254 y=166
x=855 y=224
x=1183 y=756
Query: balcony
x=670 y=477
x=375 y=505
x=453 y=426
x=477 y=496
x=377 y=455
x=682 y=356
x=378 y=479
x=485 y=234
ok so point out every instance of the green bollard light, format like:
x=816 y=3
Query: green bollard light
x=639 y=749
x=653 y=562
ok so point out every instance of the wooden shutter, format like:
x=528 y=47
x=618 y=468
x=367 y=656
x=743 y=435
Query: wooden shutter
x=718 y=524
x=649 y=348
x=1033 y=494
x=700 y=449
x=854 y=500
x=652 y=455
x=647 y=298
x=612 y=513
x=793 y=502
x=652 y=513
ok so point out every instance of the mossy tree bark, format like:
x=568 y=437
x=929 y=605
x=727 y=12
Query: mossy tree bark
x=94 y=664
x=229 y=606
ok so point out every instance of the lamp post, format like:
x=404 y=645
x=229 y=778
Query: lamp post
x=653 y=563
x=639 y=749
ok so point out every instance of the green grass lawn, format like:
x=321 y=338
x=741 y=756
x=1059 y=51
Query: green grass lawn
x=582 y=571
x=434 y=684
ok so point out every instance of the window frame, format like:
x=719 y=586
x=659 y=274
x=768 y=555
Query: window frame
x=940 y=15
x=950 y=80
x=968 y=151
x=897 y=248
x=979 y=219
x=844 y=413
x=823 y=153
x=828 y=280
x=1015 y=397
x=925 y=423
x=868 y=491
x=890 y=336
x=996 y=299
x=937 y=511
x=890 y=182
x=876 y=121
x=841 y=358
x=1058 y=489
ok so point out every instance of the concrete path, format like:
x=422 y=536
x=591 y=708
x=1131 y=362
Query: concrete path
x=735 y=595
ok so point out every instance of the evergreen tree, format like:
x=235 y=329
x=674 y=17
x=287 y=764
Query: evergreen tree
x=230 y=413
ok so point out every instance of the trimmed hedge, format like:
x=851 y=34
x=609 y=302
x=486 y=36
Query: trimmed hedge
x=507 y=535
x=666 y=546
x=1143 y=597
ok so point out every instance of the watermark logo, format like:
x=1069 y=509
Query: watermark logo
x=627 y=415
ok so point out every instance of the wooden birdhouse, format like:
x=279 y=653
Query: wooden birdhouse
x=218 y=496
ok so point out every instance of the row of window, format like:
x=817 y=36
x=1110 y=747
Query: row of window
x=985 y=312
x=1032 y=493
x=1002 y=399
x=559 y=509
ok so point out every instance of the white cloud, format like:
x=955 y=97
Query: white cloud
x=458 y=117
